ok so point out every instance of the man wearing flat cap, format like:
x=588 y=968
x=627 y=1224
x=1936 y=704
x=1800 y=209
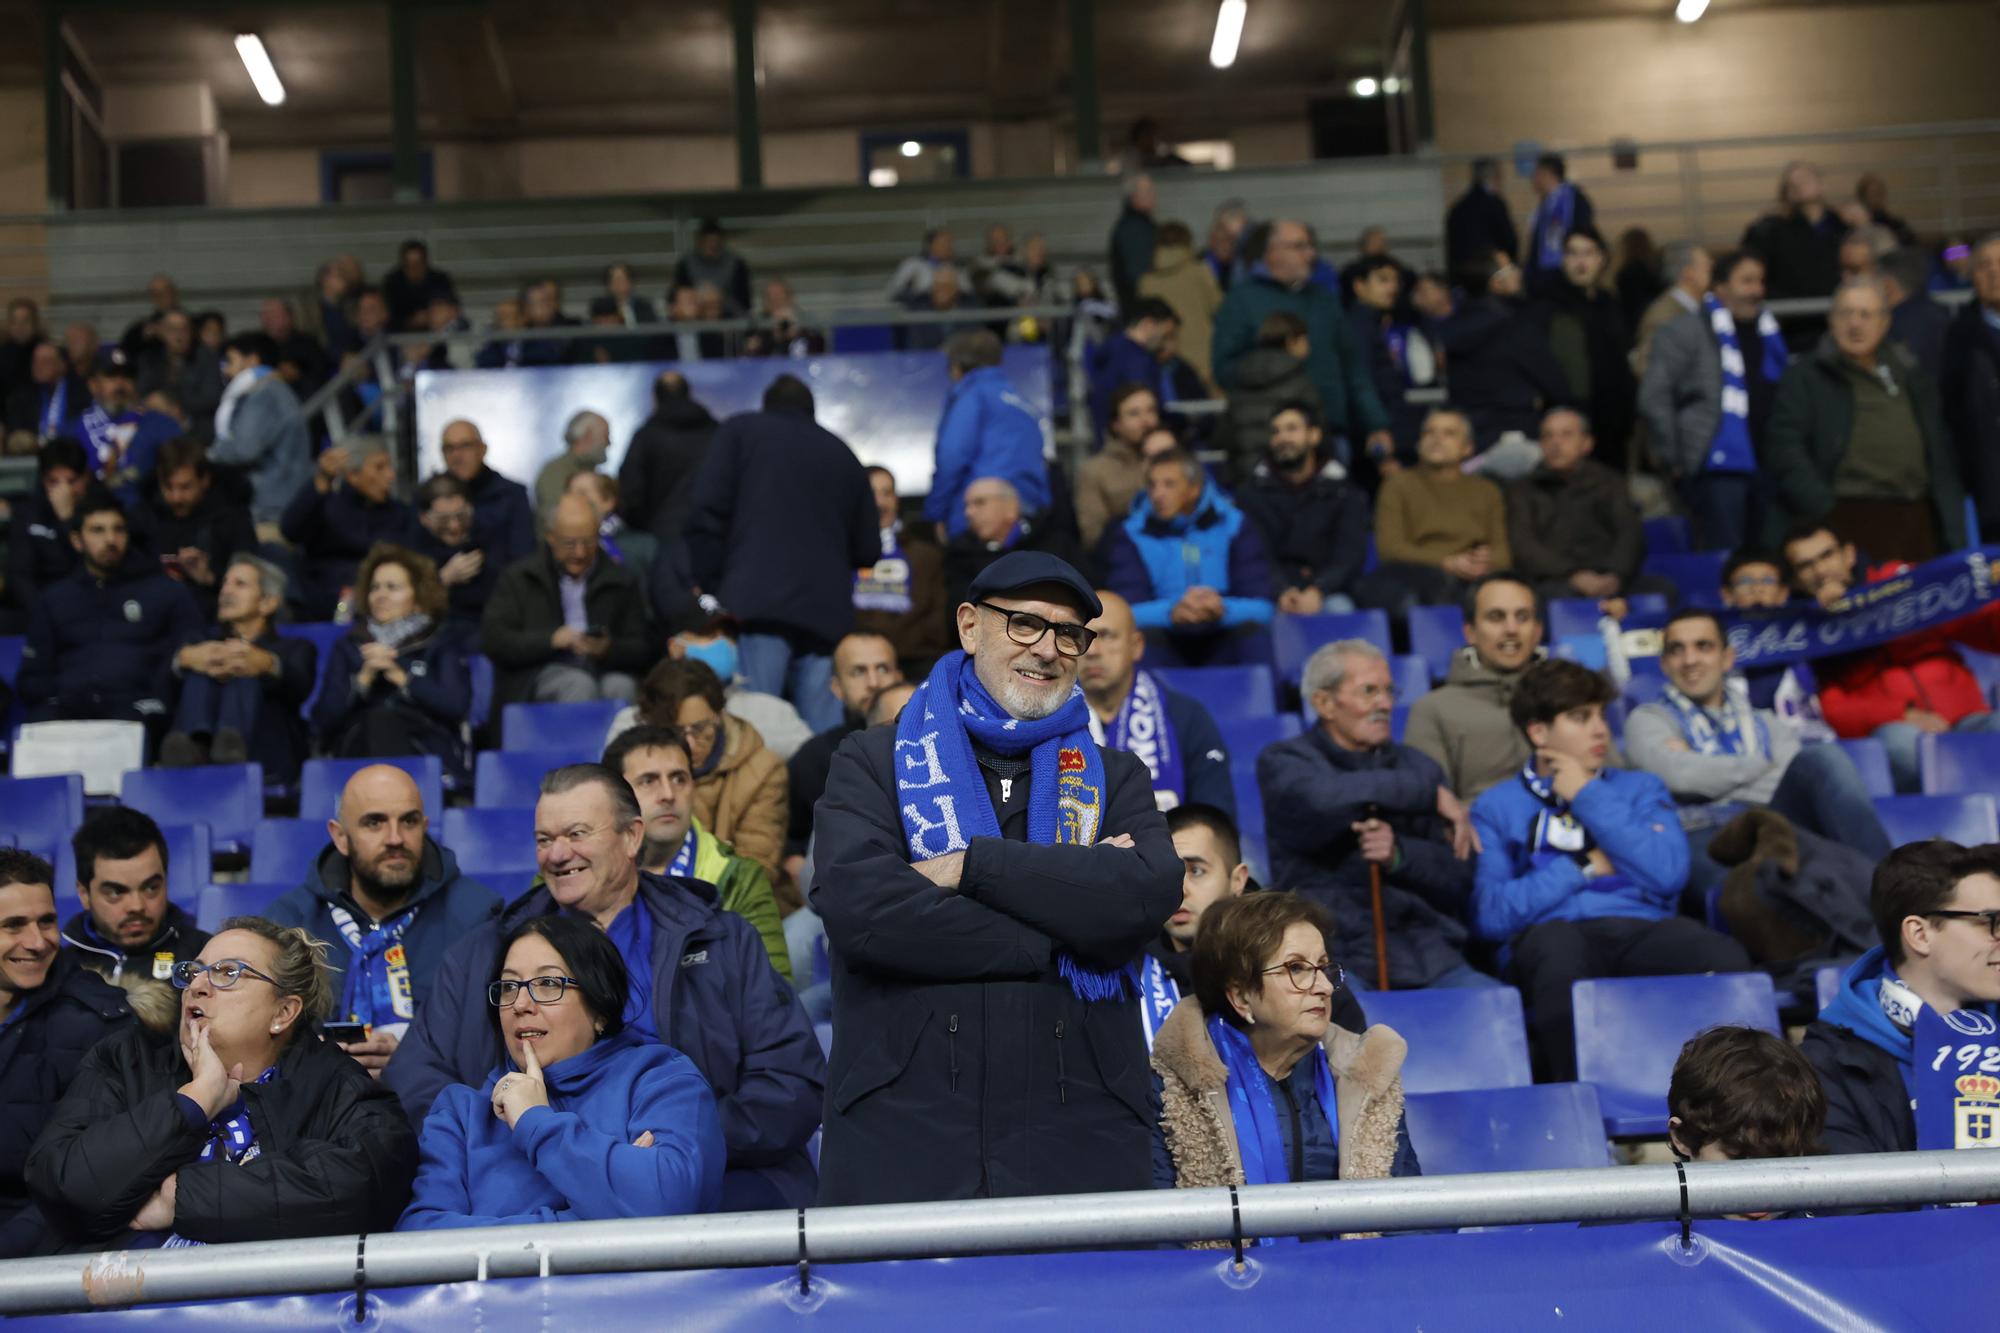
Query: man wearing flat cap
x=989 y=877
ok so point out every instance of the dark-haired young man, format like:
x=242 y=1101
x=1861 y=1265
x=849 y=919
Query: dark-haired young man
x=1907 y=1050
x=1315 y=523
x=1739 y=1094
x=1212 y=870
x=39 y=550
x=1581 y=866
x=127 y=921
x=192 y=528
x=1464 y=724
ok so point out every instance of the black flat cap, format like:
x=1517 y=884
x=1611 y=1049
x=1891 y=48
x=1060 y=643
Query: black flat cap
x=1019 y=570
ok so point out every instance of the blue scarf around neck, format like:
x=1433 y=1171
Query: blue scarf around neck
x=1143 y=727
x=942 y=794
x=376 y=987
x=1558 y=834
x=1734 y=729
x=1255 y=1111
x=1731 y=450
x=1551 y=225
x=1953 y=1074
x=1158 y=994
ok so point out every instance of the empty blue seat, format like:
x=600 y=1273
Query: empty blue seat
x=41 y=807
x=1399 y=719
x=1693 y=572
x=576 y=729
x=1227 y=692
x=284 y=851
x=1643 y=688
x=502 y=778
x=219 y=902
x=1630 y=1030
x=1248 y=737
x=480 y=667
x=1412 y=677
x=61 y=857
x=1458 y=1039
x=190 y=861
x=322 y=780
x=1668 y=535
x=1871 y=760
x=1436 y=635
x=1579 y=615
x=494 y=845
x=1969 y=819
x=229 y=798
x=322 y=635
x=1959 y=761
x=1543 y=1127
x=1295 y=638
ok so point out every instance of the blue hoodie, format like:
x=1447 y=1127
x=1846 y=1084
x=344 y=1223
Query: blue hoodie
x=1858 y=1007
x=1151 y=562
x=988 y=430
x=574 y=1159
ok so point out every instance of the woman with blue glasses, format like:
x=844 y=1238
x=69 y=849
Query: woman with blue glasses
x=584 y=1118
x=249 y=1126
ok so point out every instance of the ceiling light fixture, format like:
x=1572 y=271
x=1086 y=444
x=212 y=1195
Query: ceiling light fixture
x=1228 y=33
x=1365 y=88
x=912 y=148
x=1687 y=11
x=1392 y=85
x=262 y=72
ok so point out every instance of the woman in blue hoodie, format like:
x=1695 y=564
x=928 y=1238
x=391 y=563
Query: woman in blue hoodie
x=584 y=1120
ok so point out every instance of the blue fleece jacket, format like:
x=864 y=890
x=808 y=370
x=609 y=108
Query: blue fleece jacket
x=988 y=430
x=1628 y=814
x=1151 y=562
x=574 y=1159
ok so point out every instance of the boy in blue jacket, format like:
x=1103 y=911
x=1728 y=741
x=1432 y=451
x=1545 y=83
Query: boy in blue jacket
x=1581 y=866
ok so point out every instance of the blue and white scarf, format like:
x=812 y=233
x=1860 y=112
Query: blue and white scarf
x=943 y=797
x=376 y=988
x=1731 y=450
x=234 y=1140
x=54 y=413
x=107 y=437
x=1953 y=1077
x=1158 y=994
x=1551 y=225
x=1255 y=1111
x=1558 y=834
x=1143 y=728
x=885 y=585
x=683 y=863
x=1736 y=730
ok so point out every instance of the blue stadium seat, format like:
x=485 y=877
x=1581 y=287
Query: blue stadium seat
x=322 y=635
x=1411 y=675
x=1227 y=692
x=1693 y=572
x=1458 y=1039
x=503 y=778
x=1871 y=760
x=1579 y=615
x=494 y=845
x=1969 y=819
x=1544 y=1127
x=480 y=667
x=229 y=798
x=1668 y=536
x=1629 y=1031
x=572 y=729
x=1643 y=688
x=1826 y=985
x=61 y=857
x=219 y=902
x=1959 y=761
x=190 y=861
x=283 y=851
x=1247 y=739
x=12 y=646
x=41 y=807
x=1436 y=635
x=1399 y=720
x=1294 y=638
x=322 y=780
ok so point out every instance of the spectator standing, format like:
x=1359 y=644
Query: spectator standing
x=1133 y=238
x=1691 y=270
x=1180 y=278
x=1872 y=193
x=1561 y=210
x=17 y=349
x=397 y=683
x=712 y=263
x=901 y=595
x=1222 y=254
x=1971 y=385
x=978 y=852
x=784 y=332
x=988 y=430
x=259 y=429
x=1571 y=524
x=301 y=359
x=1710 y=381
x=1589 y=339
x=999 y=253
x=1132 y=709
x=1637 y=274
x=162 y=294
x=1799 y=243
x=566 y=625
x=1501 y=372
x=994 y=526
x=1130 y=356
x=127 y=921
x=1857 y=438
x=1314 y=522
x=1479 y=225
x=631 y=308
x=1438 y=528
x=1916 y=322
x=39 y=549
x=503 y=522
x=586 y=446
x=656 y=479
x=243 y=685
x=446 y=520
x=915 y=278
x=1108 y=480
x=777 y=471
x=1383 y=336
x=192 y=529
x=1465 y=724
x=347 y=509
x=123 y=437
x=184 y=368
x=1581 y=865
x=411 y=286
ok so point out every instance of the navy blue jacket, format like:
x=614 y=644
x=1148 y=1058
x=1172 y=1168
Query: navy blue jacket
x=40 y=1050
x=38 y=549
x=1314 y=793
x=217 y=528
x=281 y=742
x=334 y=530
x=466 y=602
x=434 y=702
x=988 y=430
x=1204 y=756
x=1499 y=369
x=782 y=518
x=1117 y=361
x=1316 y=534
x=716 y=999
x=179 y=938
x=98 y=646
x=503 y=519
x=448 y=907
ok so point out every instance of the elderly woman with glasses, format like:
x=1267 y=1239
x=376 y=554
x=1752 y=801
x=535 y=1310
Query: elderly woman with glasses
x=249 y=1126
x=1265 y=1073
x=584 y=1119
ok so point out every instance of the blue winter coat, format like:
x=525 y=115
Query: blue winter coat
x=716 y=997
x=1632 y=818
x=97 y=647
x=574 y=1159
x=988 y=430
x=1151 y=562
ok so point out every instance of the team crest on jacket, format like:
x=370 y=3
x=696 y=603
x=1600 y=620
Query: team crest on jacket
x=133 y=612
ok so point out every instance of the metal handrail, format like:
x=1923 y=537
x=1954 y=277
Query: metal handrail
x=996 y=1226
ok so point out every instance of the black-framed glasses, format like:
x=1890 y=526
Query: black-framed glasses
x=1991 y=918
x=223 y=973
x=542 y=990
x=1301 y=974
x=1026 y=628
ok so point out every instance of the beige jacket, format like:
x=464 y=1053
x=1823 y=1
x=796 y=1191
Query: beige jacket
x=1181 y=279
x=743 y=800
x=1105 y=484
x=1465 y=726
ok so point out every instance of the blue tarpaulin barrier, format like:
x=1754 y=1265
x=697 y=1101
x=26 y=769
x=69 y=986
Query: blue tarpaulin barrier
x=1901 y=1271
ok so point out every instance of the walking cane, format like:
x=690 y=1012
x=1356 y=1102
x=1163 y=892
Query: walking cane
x=1375 y=905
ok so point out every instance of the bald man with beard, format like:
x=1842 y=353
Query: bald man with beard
x=1130 y=709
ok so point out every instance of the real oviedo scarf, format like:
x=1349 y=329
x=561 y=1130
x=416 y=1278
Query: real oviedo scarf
x=1731 y=450
x=1551 y=226
x=1954 y=1070
x=1734 y=729
x=1254 y=1110
x=942 y=796
x=1143 y=728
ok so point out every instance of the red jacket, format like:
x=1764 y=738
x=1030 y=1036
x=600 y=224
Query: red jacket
x=1860 y=691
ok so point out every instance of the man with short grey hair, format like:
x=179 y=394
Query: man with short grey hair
x=1344 y=804
x=241 y=688
x=348 y=508
x=1688 y=267
x=586 y=446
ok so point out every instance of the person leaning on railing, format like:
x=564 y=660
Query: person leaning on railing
x=249 y=1126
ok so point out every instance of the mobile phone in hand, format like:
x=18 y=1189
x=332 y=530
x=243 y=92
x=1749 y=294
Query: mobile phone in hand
x=345 y=1034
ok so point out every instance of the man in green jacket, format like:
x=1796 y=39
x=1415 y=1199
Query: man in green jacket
x=656 y=762
x=1280 y=281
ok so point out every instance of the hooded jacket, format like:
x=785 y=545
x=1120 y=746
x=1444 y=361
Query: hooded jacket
x=988 y=430
x=716 y=999
x=1501 y=370
x=1465 y=726
x=656 y=480
x=95 y=645
x=1151 y=562
x=178 y=939
x=1559 y=523
x=1861 y=1058
x=1859 y=692
x=446 y=904
x=574 y=1159
x=742 y=799
x=334 y=1153
x=1185 y=283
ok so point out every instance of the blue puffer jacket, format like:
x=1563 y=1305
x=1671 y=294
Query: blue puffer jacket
x=1151 y=562
x=574 y=1159
x=988 y=430
x=1629 y=814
